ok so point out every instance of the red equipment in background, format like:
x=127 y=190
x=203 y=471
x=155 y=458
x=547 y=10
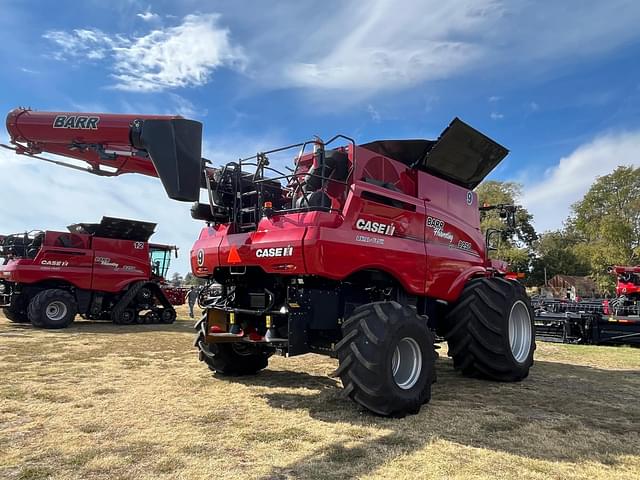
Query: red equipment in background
x=105 y=271
x=627 y=281
x=358 y=251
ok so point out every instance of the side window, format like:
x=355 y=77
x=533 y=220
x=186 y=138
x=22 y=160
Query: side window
x=160 y=262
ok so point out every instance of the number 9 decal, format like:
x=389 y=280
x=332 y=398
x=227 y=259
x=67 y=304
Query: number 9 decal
x=469 y=197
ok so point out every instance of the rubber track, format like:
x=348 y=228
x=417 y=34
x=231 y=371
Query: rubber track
x=478 y=334
x=131 y=294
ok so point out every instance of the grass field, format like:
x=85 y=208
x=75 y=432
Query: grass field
x=102 y=401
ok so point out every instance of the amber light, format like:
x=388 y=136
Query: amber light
x=268 y=205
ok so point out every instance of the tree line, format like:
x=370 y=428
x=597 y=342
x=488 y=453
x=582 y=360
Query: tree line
x=602 y=229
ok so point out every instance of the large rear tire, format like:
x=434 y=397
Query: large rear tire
x=53 y=308
x=490 y=331
x=387 y=359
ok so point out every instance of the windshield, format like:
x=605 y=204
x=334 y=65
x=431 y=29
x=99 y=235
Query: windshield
x=160 y=262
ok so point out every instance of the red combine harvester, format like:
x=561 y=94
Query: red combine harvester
x=103 y=271
x=359 y=252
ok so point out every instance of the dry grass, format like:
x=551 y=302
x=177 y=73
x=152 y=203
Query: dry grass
x=103 y=401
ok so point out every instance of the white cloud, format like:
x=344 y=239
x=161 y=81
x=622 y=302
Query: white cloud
x=367 y=47
x=550 y=199
x=181 y=56
x=386 y=47
x=148 y=15
x=373 y=113
x=494 y=98
x=93 y=44
x=185 y=107
x=496 y=116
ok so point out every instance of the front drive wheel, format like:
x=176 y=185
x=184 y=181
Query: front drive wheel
x=490 y=331
x=53 y=308
x=387 y=359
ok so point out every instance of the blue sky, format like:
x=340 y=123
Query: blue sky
x=558 y=84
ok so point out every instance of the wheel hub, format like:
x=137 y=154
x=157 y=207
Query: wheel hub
x=520 y=331
x=56 y=311
x=406 y=363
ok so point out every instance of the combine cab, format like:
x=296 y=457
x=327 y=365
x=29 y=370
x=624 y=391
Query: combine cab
x=360 y=252
x=103 y=271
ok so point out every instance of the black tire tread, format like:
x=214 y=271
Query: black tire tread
x=14 y=316
x=35 y=310
x=223 y=360
x=360 y=371
x=474 y=321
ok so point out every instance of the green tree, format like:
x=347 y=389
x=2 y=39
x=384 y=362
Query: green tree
x=607 y=222
x=516 y=246
x=555 y=253
x=191 y=279
x=176 y=279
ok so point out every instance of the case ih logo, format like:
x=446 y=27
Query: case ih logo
x=78 y=122
x=54 y=263
x=375 y=227
x=274 y=252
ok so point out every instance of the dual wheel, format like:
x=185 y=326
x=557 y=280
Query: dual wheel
x=53 y=308
x=387 y=355
x=57 y=308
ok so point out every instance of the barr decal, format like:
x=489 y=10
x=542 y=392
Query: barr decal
x=77 y=122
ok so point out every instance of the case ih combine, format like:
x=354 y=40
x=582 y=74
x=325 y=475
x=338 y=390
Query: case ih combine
x=104 y=271
x=355 y=251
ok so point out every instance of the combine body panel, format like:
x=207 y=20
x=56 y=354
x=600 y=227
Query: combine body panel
x=360 y=252
x=377 y=228
x=92 y=270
